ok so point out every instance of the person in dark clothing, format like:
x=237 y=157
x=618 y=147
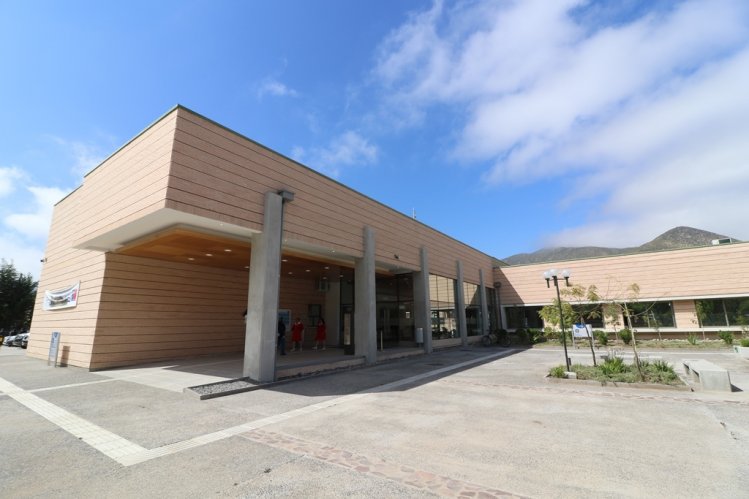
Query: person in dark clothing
x=282 y=337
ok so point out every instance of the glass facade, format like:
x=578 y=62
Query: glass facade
x=523 y=317
x=587 y=310
x=650 y=314
x=473 y=308
x=442 y=302
x=395 y=303
x=723 y=312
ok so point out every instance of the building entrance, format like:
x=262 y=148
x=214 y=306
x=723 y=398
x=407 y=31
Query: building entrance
x=395 y=318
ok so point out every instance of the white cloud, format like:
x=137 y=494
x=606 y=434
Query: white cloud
x=646 y=111
x=35 y=224
x=25 y=256
x=86 y=156
x=347 y=149
x=9 y=177
x=273 y=87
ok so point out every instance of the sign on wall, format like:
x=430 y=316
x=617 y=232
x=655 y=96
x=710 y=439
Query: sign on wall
x=63 y=298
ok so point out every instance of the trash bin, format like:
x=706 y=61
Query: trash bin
x=419 y=336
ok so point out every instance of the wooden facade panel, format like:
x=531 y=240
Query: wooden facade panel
x=706 y=271
x=320 y=203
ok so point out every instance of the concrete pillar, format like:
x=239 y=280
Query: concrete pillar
x=422 y=303
x=460 y=304
x=365 y=304
x=483 y=304
x=262 y=304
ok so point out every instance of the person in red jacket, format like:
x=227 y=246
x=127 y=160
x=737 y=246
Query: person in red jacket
x=320 y=334
x=297 y=330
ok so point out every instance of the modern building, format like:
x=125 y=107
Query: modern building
x=166 y=244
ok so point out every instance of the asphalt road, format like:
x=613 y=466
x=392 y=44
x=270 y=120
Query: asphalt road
x=462 y=423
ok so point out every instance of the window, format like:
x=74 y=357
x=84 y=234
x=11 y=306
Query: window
x=593 y=315
x=442 y=302
x=723 y=312
x=524 y=317
x=650 y=314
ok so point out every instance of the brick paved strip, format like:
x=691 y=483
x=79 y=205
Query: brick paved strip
x=407 y=475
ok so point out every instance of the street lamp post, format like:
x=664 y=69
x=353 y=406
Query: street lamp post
x=554 y=275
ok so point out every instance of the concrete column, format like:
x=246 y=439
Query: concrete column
x=422 y=303
x=483 y=304
x=365 y=304
x=262 y=304
x=460 y=304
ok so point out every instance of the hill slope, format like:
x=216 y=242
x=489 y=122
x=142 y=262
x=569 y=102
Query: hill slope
x=678 y=237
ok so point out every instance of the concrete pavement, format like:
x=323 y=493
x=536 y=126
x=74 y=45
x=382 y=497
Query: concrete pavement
x=419 y=427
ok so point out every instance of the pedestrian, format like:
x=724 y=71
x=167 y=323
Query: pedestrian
x=320 y=334
x=297 y=330
x=281 y=336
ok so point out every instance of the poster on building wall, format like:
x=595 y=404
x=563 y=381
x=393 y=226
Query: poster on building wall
x=582 y=331
x=62 y=298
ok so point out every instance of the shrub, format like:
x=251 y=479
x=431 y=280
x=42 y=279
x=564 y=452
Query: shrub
x=614 y=365
x=726 y=336
x=662 y=366
x=745 y=342
x=535 y=336
x=692 y=339
x=601 y=337
x=557 y=372
x=626 y=336
x=522 y=335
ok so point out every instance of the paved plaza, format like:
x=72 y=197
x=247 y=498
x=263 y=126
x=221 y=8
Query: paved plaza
x=473 y=422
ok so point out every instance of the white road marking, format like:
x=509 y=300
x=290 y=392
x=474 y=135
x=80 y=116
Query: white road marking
x=127 y=453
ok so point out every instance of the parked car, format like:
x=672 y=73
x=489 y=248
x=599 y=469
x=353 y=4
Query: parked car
x=25 y=341
x=19 y=338
x=8 y=342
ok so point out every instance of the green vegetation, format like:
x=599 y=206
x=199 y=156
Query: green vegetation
x=601 y=337
x=626 y=336
x=726 y=336
x=17 y=295
x=745 y=342
x=692 y=339
x=615 y=370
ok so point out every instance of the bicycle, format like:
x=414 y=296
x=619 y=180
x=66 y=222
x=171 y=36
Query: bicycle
x=501 y=338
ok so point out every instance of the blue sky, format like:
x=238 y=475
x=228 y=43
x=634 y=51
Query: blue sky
x=508 y=125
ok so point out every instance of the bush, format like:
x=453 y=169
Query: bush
x=745 y=342
x=626 y=336
x=692 y=339
x=601 y=337
x=535 y=336
x=557 y=372
x=522 y=336
x=614 y=365
x=726 y=336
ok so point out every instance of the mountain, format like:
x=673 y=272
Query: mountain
x=678 y=237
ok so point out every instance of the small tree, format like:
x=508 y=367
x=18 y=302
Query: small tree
x=550 y=314
x=586 y=306
x=17 y=296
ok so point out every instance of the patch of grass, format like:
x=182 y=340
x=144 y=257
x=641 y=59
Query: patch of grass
x=692 y=339
x=615 y=370
x=745 y=342
x=557 y=372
